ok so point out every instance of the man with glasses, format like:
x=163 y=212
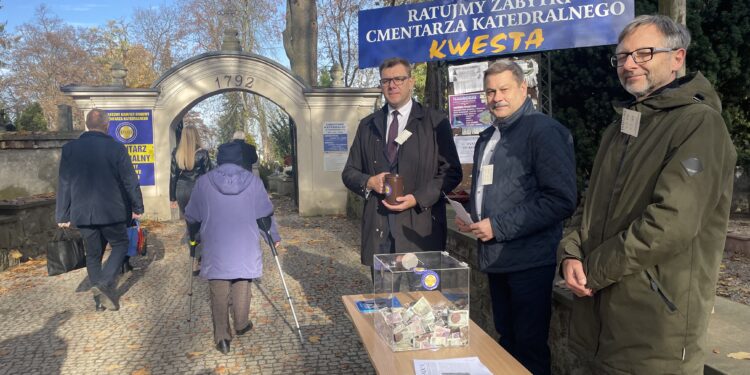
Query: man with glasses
x=644 y=262
x=523 y=187
x=416 y=143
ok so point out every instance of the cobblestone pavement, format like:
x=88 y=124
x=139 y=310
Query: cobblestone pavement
x=48 y=324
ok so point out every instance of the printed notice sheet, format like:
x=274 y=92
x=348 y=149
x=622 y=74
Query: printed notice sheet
x=467 y=366
x=460 y=211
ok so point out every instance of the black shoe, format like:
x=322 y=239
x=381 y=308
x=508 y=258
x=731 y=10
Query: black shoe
x=107 y=297
x=126 y=267
x=223 y=346
x=98 y=303
x=245 y=330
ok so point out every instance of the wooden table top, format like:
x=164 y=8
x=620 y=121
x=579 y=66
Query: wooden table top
x=385 y=361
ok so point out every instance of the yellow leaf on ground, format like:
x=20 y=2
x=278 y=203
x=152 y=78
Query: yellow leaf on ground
x=192 y=355
x=739 y=355
x=221 y=370
x=113 y=367
x=141 y=371
x=314 y=339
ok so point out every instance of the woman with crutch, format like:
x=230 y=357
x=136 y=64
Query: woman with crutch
x=189 y=161
x=224 y=208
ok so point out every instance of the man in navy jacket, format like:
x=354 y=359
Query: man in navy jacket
x=98 y=192
x=523 y=187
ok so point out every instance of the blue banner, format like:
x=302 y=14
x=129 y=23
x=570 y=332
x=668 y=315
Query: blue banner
x=463 y=29
x=134 y=128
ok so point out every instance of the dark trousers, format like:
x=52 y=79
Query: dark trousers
x=221 y=292
x=95 y=238
x=522 y=308
x=182 y=192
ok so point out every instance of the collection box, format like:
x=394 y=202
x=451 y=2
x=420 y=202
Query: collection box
x=423 y=300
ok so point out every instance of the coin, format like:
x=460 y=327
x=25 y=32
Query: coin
x=409 y=261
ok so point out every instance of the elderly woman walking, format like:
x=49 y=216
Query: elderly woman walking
x=224 y=207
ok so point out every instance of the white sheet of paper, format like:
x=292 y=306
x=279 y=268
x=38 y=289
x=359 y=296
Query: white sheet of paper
x=631 y=122
x=460 y=211
x=467 y=365
x=486 y=174
x=403 y=136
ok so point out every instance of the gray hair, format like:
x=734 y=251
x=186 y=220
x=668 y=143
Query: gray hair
x=676 y=35
x=239 y=134
x=505 y=65
x=97 y=119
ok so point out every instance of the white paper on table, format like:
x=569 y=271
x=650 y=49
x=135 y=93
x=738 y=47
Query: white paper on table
x=460 y=211
x=467 y=365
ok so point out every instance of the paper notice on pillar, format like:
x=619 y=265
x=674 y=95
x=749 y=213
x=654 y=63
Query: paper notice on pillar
x=468 y=77
x=335 y=146
x=134 y=128
x=465 y=147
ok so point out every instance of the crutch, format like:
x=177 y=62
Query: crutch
x=264 y=224
x=193 y=229
x=193 y=244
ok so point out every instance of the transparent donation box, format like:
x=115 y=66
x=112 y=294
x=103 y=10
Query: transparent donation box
x=423 y=300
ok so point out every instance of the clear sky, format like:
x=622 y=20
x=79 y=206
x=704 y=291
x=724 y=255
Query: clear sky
x=86 y=13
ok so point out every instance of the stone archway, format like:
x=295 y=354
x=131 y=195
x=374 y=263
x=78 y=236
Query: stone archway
x=321 y=191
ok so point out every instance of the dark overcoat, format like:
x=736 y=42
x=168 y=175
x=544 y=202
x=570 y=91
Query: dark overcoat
x=97 y=183
x=429 y=165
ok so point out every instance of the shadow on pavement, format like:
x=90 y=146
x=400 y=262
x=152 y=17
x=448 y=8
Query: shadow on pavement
x=15 y=353
x=140 y=266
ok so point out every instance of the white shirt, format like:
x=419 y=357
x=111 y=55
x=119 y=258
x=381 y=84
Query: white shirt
x=403 y=117
x=489 y=150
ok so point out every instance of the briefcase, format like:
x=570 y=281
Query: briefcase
x=65 y=253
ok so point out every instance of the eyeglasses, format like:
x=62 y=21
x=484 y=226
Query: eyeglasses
x=640 y=56
x=396 y=80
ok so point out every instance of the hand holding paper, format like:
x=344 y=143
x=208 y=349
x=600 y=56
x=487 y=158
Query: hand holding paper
x=460 y=211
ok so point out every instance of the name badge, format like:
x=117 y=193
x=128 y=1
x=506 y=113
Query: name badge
x=631 y=122
x=485 y=174
x=403 y=136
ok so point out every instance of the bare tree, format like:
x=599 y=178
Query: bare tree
x=116 y=46
x=258 y=22
x=301 y=39
x=162 y=32
x=338 y=37
x=46 y=55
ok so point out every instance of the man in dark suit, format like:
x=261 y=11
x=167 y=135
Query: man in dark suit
x=98 y=192
x=417 y=143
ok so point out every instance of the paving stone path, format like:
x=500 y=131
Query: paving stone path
x=48 y=324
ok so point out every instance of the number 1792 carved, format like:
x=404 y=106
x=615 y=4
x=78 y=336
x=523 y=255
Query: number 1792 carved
x=237 y=80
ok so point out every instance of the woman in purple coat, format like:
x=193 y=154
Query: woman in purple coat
x=225 y=204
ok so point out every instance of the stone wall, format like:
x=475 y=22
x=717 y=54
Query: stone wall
x=26 y=225
x=30 y=162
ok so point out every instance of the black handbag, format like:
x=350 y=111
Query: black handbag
x=65 y=253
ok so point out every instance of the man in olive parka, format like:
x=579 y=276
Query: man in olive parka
x=644 y=262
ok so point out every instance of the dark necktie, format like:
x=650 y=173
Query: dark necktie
x=392 y=133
